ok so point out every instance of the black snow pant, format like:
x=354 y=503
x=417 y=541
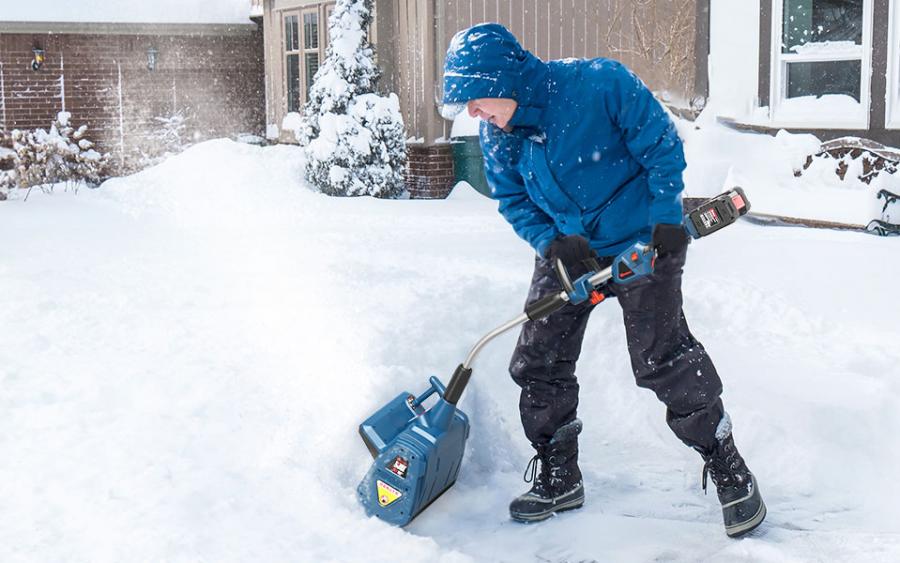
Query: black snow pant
x=665 y=357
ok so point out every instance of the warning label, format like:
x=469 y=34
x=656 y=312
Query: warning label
x=387 y=494
x=710 y=218
x=399 y=467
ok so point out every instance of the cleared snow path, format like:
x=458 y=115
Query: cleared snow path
x=188 y=351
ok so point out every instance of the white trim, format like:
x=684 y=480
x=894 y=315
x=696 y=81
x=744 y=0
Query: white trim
x=892 y=95
x=778 y=71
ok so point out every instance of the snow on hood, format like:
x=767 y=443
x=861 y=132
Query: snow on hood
x=486 y=61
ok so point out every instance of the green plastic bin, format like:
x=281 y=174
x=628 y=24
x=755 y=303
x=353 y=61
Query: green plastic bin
x=469 y=163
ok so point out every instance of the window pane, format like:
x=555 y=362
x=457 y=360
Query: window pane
x=291 y=34
x=817 y=21
x=819 y=79
x=312 y=65
x=293 y=82
x=310 y=31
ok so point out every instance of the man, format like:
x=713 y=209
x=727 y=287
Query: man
x=584 y=161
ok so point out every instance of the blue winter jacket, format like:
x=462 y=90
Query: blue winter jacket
x=591 y=151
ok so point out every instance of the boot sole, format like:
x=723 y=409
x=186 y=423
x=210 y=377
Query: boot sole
x=739 y=530
x=537 y=517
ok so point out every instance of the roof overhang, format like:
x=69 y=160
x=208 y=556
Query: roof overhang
x=88 y=28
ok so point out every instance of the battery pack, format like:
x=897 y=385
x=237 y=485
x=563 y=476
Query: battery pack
x=717 y=213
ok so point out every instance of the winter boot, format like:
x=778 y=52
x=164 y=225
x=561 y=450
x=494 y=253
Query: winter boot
x=743 y=508
x=557 y=486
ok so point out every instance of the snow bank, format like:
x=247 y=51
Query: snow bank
x=103 y=11
x=766 y=167
x=189 y=351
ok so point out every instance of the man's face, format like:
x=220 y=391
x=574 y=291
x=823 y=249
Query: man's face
x=494 y=110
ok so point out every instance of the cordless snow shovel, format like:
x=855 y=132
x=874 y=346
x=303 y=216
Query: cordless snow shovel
x=418 y=451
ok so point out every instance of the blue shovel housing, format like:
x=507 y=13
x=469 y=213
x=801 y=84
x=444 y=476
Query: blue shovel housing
x=417 y=454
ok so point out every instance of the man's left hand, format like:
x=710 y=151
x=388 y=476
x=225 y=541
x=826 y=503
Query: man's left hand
x=669 y=238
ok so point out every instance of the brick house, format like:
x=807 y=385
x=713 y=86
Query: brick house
x=658 y=39
x=120 y=67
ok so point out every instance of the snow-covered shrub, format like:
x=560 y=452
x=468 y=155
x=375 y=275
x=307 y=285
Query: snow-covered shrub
x=167 y=135
x=355 y=139
x=7 y=165
x=43 y=158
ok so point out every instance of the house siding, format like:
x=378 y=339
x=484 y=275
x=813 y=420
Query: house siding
x=554 y=29
x=411 y=38
x=103 y=81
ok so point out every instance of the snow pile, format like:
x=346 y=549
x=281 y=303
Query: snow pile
x=355 y=138
x=810 y=109
x=773 y=174
x=189 y=350
x=828 y=49
x=103 y=11
x=292 y=122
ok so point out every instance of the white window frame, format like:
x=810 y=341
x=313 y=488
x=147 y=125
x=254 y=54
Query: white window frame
x=778 y=71
x=288 y=52
x=319 y=49
x=892 y=95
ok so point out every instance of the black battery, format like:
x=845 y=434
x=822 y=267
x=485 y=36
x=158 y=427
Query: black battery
x=717 y=213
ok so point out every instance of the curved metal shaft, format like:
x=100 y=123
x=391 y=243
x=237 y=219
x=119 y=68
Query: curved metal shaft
x=599 y=278
x=520 y=320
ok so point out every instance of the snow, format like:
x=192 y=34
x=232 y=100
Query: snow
x=830 y=108
x=830 y=49
x=293 y=122
x=765 y=167
x=188 y=352
x=103 y=11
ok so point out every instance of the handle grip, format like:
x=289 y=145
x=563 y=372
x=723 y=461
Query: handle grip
x=546 y=306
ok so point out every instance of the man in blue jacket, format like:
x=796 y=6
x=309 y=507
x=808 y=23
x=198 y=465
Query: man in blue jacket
x=584 y=161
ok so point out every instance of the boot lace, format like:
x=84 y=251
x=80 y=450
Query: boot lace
x=531 y=469
x=726 y=467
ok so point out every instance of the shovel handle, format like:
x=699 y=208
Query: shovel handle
x=436 y=387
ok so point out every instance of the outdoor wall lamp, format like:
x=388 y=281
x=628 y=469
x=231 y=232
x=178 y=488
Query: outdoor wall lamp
x=152 y=58
x=38 y=62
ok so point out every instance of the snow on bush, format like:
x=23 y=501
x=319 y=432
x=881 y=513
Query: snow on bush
x=164 y=136
x=43 y=158
x=354 y=138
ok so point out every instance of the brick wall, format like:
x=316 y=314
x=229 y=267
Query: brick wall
x=104 y=82
x=429 y=172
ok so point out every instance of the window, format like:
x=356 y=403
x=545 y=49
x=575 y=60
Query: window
x=305 y=40
x=310 y=48
x=893 y=70
x=292 y=62
x=821 y=63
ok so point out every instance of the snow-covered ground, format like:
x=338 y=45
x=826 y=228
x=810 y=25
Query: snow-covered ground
x=187 y=354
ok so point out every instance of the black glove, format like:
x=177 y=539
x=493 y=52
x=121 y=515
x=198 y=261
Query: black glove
x=576 y=254
x=669 y=238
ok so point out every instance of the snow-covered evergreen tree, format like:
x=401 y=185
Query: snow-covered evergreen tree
x=355 y=139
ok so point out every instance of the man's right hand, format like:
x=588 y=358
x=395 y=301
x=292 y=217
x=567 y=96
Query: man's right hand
x=576 y=254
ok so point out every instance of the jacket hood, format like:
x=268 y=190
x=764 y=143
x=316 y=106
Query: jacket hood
x=486 y=61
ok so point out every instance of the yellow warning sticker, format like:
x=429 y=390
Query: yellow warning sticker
x=387 y=494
